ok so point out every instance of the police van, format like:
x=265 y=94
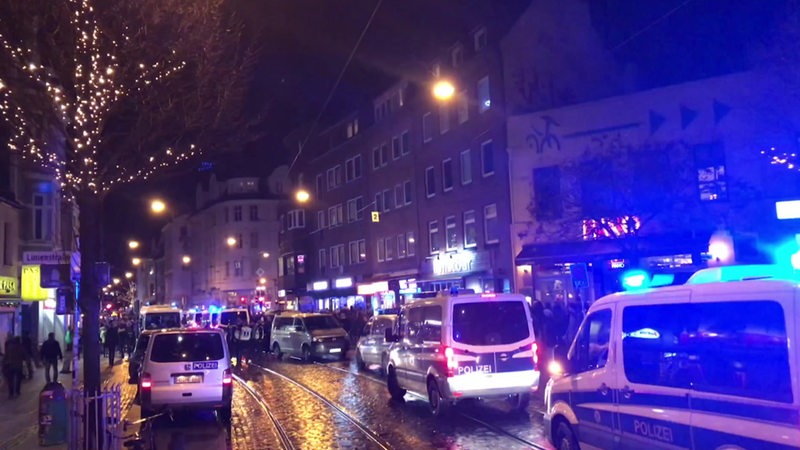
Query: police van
x=711 y=364
x=454 y=347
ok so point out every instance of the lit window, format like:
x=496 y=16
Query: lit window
x=433 y=237
x=484 y=95
x=451 y=235
x=470 y=229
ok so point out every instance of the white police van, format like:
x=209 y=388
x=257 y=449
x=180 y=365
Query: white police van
x=711 y=364
x=455 y=347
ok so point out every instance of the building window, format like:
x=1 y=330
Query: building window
x=237 y=213
x=547 y=192
x=447 y=175
x=353 y=168
x=709 y=161
x=470 y=229
x=321 y=220
x=407 y=192
x=254 y=239
x=398 y=196
x=320 y=184
x=227 y=269
x=487 y=159
x=401 y=246
x=387 y=200
x=397 y=150
x=451 y=235
x=323 y=259
x=337 y=256
x=238 y=269
x=352 y=248
x=42 y=217
x=253 y=213
x=362 y=250
x=433 y=237
x=456 y=56
x=296 y=219
x=335 y=215
x=430 y=182
x=484 y=94
x=405 y=143
x=462 y=105
x=376 y=158
x=301 y=263
x=444 y=119
x=384 y=154
x=381 y=250
x=466 y=167
x=491 y=227
x=239 y=241
x=412 y=243
x=352 y=128
x=290 y=265
x=427 y=127
x=389 y=242
x=480 y=39
x=378 y=203
x=355 y=209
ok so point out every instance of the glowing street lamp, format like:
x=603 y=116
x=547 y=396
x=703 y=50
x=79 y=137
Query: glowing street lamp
x=443 y=90
x=158 y=206
x=186 y=259
x=265 y=255
x=133 y=245
x=302 y=196
x=262 y=281
x=136 y=261
x=116 y=280
x=231 y=241
x=128 y=275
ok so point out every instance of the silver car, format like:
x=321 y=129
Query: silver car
x=308 y=336
x=372 y=349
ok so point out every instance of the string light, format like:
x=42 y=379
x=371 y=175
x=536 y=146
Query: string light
x=82 y=106
x=784 y=159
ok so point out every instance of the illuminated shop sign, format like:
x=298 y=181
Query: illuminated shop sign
x=456 y=262
x=319 y=286
x=373 y=288
x=787 y=210
x=8 y=286
x=341 y=283
x=610 y=227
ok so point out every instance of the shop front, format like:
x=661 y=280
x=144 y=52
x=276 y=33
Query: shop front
x=9 y=308
x=334 y=294
x=464 y=269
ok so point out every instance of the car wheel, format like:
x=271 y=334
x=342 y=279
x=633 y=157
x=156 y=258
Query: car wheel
x=225 y=414
x=519 y=402
x=306 y=353
x=565 y=438
x=276 y=350
x=395 y=390
x=439 y=405
x=360 y=361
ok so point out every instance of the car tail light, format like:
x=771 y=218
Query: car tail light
x=535 y=351
x=227 y=379
x=147 y=382
x=452 y=363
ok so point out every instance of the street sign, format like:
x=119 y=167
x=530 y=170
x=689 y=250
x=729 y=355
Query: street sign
x=54 y=275
x=376 y=216
x=31 y=289
x=46 y=257
x=65 y=301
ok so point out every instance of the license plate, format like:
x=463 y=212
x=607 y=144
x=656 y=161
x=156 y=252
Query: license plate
x=335 y=350
x=188 y=379
x=205 y=365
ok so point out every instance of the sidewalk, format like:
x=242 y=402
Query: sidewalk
x=19 y=418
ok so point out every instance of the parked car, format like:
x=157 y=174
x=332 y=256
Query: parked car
x=308 y=336
x=372 y=349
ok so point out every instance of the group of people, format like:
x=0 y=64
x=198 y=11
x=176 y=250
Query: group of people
x=248 y=339
x=19 y=361
x=117 y=335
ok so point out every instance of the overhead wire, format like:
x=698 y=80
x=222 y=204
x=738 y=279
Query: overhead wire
x=650 y=25
x=336 y=83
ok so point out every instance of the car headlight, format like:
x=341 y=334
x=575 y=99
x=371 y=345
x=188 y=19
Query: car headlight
x=316 y=339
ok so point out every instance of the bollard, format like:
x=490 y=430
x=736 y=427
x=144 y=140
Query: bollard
x=53 y=415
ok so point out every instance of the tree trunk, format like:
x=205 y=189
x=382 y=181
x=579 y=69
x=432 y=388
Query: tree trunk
x=89 y=301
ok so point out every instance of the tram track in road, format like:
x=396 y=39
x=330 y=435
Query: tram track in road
x=283 y=436
x=367 y=432
x=494 y=428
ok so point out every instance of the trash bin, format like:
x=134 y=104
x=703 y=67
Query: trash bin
x=53 y=415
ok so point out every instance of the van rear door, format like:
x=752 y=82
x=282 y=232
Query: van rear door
x=187 y=367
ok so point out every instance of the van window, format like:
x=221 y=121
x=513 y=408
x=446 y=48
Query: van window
x=734 y=348
x=321 y=323
x=187 y=347
x=424 y=324
x=590 y=351
x=159 y=320
x=141 y=346
x=380 y=325
x=283 y=323
x=232 y=317
x=490 y=323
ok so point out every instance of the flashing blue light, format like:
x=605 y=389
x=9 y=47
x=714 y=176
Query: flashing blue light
x=796 y=260
x=635 y=279
x=212 y=309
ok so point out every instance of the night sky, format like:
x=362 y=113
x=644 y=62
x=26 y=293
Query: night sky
x=306 y=43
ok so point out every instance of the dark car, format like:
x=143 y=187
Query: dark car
x=135 y=360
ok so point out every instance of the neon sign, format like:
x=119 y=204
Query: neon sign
x=606 y=228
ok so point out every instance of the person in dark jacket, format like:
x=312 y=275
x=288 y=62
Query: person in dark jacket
x=112 y=339
x=27 y=348
x=12 y=366
x=51 y=353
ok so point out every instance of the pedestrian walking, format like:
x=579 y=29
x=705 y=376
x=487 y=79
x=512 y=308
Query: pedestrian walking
x=12 y=366
x=50 y=354
x=66 y=366
x=122 y=332
x=112 y=339
x=27 y=349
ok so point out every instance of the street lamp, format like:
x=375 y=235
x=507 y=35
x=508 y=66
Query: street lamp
x=231 y=241
x=128 y=275
x=262 y=281
x=265 y=255
x=136 y=261
x=302 y=196
x=158 y=206
x=116 y=280
x=443 y=90
x=186 y=259
x=133 y=245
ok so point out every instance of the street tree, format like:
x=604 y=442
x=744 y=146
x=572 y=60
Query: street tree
x=101 y=94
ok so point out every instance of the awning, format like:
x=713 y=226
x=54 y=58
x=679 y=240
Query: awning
x=604 y=249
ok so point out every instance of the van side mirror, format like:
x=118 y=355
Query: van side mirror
x=389 y=336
